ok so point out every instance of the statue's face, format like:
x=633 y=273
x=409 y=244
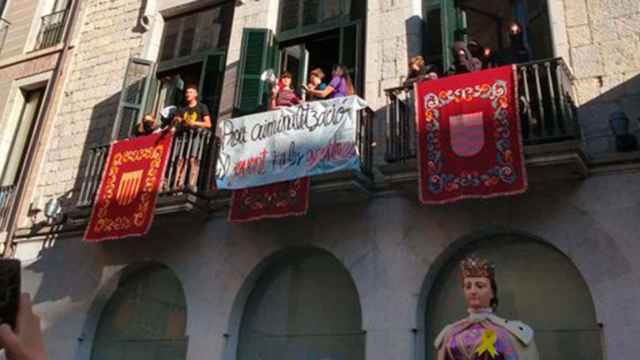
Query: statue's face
x=477 y=292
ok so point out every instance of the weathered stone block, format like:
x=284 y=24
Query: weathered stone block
x=587 y=61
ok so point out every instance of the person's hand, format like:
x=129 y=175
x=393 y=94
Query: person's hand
x=26 y=343
x=305 y=87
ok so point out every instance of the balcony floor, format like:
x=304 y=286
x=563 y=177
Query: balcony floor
x=557 y=161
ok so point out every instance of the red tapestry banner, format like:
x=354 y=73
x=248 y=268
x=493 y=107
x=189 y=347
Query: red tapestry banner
x=469 y=137
x=288 y=198
x=126 y=199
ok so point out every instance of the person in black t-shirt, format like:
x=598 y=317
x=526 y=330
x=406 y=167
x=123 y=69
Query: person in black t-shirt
x=195 y=115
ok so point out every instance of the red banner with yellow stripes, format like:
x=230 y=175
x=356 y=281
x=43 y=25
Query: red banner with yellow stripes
x=125 y=203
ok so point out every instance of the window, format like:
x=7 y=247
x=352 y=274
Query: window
x=334 y=37
x=536 y=284
x=14 y=146
x=192 y=52
x=447 y=21
x=298 y=17
x=52 y=25
x=305 y=306
x=189 y=34
x=145 y=319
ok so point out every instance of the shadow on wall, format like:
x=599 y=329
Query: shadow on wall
x=594 y=114
x=58 y=277
x=71 y=269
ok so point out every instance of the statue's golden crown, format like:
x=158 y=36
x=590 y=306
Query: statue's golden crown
x=476 y=267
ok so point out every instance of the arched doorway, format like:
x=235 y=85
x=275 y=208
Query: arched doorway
x=144 y=319
x=537 y=284
x=304 y=306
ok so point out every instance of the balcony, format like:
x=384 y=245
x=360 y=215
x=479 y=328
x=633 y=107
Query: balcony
x=550 y=130
x=51 y=30
x=180 y=194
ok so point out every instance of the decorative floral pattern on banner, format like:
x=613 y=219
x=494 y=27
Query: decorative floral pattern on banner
x=125 y=203
x=469 y=137
x=289 y=198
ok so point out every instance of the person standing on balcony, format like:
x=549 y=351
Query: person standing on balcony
x=419 y=70
x=147 y=126
x=193 y=116
x=283 y=94
x=316 y=82
x=464 y=62
x=340 y=85
x=518 y=51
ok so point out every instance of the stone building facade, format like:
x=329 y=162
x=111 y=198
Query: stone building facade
x=567 y=248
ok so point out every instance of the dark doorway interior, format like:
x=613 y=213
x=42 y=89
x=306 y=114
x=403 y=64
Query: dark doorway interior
x=301 y=56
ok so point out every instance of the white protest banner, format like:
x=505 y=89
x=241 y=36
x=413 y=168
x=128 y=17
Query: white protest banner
x=305 y=140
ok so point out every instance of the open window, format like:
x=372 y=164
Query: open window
x=488 y=24
x=192 y=52
x=311 y=34
x=18 y=133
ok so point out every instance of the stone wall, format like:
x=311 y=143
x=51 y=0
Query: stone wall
x=604 y=52
x=104 y=42
x=388 y=244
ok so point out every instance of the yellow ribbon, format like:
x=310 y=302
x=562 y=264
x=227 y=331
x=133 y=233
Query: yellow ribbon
x=487 y=344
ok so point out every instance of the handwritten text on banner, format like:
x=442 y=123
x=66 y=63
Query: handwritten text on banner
x=285 y=144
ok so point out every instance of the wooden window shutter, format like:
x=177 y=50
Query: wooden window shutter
x=133 y=97
x=255 y=58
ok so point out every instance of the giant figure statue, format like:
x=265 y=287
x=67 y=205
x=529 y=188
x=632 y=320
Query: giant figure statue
x=482 y=335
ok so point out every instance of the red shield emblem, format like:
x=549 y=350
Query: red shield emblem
x=467 y=134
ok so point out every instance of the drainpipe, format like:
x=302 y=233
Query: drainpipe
x=27 y=169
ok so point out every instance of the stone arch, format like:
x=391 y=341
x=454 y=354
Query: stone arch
x=144 y=302
x=537 y=284
x=284 y=281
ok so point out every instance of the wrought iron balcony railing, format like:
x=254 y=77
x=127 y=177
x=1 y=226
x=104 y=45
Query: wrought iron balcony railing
x=547 y=110
x=7 y=196
x=51 y=29
x=187 y=170
x=192 y=162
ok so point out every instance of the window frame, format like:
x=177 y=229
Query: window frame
x=305 y=30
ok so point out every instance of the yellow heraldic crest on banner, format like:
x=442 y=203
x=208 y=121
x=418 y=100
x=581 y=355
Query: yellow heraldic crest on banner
x=129 y=187
x=105 y=223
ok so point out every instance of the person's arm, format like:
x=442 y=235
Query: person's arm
x=26 y=342
x=207 y=122
x=206 y=117
x=320 y=93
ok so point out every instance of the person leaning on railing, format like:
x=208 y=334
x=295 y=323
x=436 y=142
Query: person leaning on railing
x=147 y=126
x=316 y=82
x=340 y=85
x=194 y=115
x=282 y=93
x=419 y=70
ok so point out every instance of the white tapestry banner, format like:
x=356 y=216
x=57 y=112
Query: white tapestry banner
x=289 y=143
